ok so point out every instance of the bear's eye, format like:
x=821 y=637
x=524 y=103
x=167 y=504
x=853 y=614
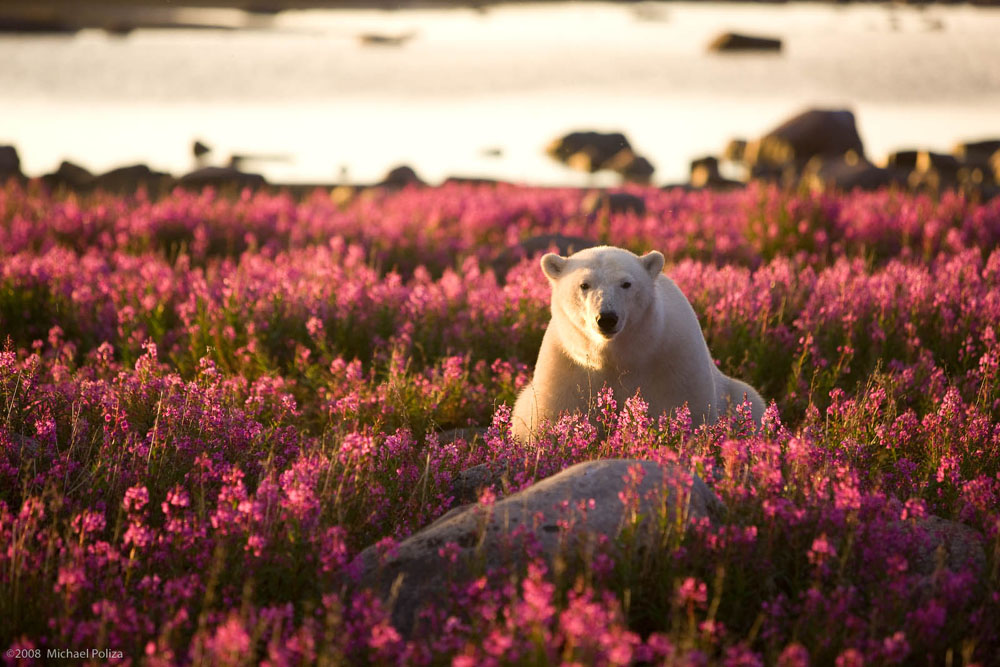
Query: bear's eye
x=626 y=285
x=584 y=286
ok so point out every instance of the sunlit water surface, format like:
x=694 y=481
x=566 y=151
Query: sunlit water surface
x=481 y=93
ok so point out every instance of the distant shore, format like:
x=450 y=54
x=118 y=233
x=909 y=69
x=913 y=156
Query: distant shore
x=279 y=5
x=122 y=16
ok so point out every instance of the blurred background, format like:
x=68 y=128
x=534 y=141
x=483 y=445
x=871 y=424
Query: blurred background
x=343 y=92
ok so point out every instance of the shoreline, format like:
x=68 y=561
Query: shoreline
x=817 y=149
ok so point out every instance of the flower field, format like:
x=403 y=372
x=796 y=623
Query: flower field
x=210 y=405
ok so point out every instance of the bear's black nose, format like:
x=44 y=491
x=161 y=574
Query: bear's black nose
x=607 y=321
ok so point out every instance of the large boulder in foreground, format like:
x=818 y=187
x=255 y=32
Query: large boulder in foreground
x=417 y=573
x=948 y=545
x=816 y=132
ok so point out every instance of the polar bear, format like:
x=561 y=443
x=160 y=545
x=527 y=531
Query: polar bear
x=617 y=320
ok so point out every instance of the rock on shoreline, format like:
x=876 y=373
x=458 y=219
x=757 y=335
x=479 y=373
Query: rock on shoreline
x=590 y=151
x=819 y=149
x=732 y=42
x=822 y=149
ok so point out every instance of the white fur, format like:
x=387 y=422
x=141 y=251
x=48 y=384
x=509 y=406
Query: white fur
x=656 y=347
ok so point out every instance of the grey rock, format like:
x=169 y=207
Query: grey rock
x=472 y=180
x=471 y=482
x=529 y=247
x=786 y=176
x=927 y=181
x=633 y=168
x=564 y=245
x=221 y=177
x=10 y=163
x=934 y=172
x=126 y=180
x=468 y=434
x=26 y=445
x=705 y=174
x=977 y=151
x=709 y=163
x=592 y=149
x=987 y=193
x=904 y=159
x=973 y=176
x=735 y=150
x=716 y=183
x=414 y=573
x=802 y=137
x=200 y=148
x=849 y=172
x=613 y=203
x=730 y=42
x=29 y=19
x=70 y=175
x=401 y=177
x=950 y=545
x=378 y=39
x=941 y=162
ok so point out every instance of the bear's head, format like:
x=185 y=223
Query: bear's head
x=599 y=291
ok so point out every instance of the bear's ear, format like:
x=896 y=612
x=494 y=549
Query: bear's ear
x=553 y=266
x=652 y=261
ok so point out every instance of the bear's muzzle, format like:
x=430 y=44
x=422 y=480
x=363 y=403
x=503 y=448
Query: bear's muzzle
x=607 y=323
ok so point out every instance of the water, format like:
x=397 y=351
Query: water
x=468 y=85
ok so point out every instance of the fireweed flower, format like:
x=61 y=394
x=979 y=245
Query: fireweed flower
x=333 y=550
x=230 y=641
x=136 y=499
x=71 y=579
x=692 y=593
x=741 y=656
x=88 y=522
x=794 y=655
x=821 y=551
x=299 y=486
x=202 y=380
x=895 y=648
x=386 y=549
x=850 y=658
x=138 y=534
x=536 y=605
x=629 y=495
x=450 y=552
